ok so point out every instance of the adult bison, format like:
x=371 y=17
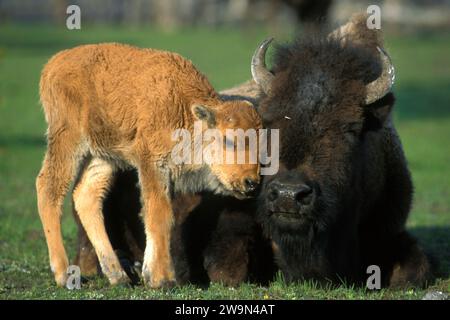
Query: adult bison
x=340 y=200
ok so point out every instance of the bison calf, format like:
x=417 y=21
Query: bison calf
x=112 y=106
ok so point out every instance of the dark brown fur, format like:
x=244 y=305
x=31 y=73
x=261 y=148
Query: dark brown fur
x=350 y=157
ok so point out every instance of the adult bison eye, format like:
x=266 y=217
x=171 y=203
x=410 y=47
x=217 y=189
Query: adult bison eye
x=352 y=130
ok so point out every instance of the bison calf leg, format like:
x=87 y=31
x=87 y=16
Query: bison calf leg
x=158 y=219
x=58 y=169
x=86 y=257
x=88 y=196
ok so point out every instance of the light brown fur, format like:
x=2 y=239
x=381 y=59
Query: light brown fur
x=110 y=106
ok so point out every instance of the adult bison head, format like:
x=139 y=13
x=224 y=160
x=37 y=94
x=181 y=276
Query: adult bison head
x=329 y=97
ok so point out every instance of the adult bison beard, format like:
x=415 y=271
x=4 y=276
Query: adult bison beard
x=320 y=246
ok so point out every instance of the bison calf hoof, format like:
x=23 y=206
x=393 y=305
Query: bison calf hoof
x=61 y=279
x=157 y=283
x=168 y=284
x=119 y=278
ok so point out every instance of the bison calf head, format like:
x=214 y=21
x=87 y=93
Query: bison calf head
x=230 y=141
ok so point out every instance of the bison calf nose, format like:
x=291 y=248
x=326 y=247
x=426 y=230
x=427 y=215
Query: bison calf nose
x=250 y=184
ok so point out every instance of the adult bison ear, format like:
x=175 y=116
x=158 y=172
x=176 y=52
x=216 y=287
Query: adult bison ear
x=357 y=32
x=378 y=112
x=204 y=113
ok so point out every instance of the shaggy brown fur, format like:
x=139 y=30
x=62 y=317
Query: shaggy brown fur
x=340 y=200
x=113 y=106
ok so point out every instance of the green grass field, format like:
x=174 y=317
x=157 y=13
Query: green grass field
x=422 y=116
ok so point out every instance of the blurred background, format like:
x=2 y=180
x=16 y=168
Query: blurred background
x=219 y=36
x=172 y=14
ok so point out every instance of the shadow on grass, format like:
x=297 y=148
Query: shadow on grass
x=436 y=242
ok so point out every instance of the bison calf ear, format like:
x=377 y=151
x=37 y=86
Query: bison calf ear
x=378 y=112
x=204 y=113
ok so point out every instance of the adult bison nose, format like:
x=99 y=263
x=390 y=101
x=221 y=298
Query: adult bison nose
x=303 y=194
x=290 y=198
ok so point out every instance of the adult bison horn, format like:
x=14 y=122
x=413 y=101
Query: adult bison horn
x=260 y=74
x=383 y=85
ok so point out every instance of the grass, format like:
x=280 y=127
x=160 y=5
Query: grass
x=422 y=116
